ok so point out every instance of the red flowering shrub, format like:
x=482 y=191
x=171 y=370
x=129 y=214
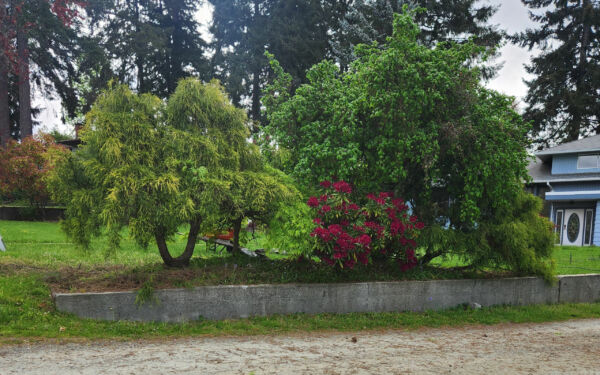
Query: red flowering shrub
x=347 y=233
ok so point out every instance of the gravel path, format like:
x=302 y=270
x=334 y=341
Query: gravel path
x=571 y=347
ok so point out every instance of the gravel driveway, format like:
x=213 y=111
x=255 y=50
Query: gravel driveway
x=568 y=347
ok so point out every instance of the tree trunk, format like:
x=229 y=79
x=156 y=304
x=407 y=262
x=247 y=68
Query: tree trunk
x=4 y=108
x=139 y=62
x=25 y=121
x=237 y=227
x=184 y=259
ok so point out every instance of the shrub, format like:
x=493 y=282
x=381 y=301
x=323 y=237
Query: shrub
x=520 y=239
x=347 y=233
x=24 y=167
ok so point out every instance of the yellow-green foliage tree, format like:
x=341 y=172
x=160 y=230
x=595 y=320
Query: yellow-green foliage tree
x=153 y=167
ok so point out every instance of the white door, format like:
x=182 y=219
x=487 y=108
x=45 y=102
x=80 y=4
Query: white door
x=573 y=227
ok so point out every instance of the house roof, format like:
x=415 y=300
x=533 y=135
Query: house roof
x=588 y=144
x=541 y=172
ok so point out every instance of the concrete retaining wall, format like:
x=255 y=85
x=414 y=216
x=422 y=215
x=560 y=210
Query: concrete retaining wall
x=231 y=302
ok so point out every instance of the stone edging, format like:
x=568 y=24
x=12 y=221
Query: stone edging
x=242 y=301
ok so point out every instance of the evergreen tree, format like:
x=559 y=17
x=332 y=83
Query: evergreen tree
x=295 y=31
x=38 y=45
x=153 y=43
x=368 y=21
x=564 y=96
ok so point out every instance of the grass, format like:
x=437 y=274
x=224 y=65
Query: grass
x=41 y=249
x=572 y=260
x=39 y=257
x=27 y=314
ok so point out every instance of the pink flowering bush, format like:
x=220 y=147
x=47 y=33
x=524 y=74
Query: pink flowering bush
x=346 y=233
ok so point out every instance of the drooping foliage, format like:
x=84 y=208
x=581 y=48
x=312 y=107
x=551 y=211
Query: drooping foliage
x=563 y=100
x=408 y=119
x=154 y=167
x=519 y=239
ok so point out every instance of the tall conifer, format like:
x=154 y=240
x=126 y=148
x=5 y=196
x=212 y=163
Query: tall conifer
x=563 y=101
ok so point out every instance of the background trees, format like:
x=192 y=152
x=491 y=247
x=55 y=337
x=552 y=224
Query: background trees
x=295 y=31
x=24 y=168
x=563 y=100
x=38 y=45
x=151 y=44
x=368 y=21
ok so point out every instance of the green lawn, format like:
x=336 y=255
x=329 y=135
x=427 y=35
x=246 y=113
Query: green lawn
x=39 y=257
x=577 y=260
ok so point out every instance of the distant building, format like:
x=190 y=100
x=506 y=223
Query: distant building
x=567 y=177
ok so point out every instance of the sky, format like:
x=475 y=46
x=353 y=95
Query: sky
x=512 y=16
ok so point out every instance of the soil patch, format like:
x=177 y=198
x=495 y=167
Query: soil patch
x=566 y=347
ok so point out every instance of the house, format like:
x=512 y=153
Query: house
x=567 y=177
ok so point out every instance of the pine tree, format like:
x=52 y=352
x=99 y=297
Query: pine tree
x=38 y=46
x=563 y=100
x=368 y=21
x=153 y=43
x=295 y=31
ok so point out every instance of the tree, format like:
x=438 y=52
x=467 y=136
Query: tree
x=154 y=167
x=37 y=45
x=368 y=21
x=408 y=119
x=563 y=100
x=152 y=43
x=24 y=167
x=295 y=31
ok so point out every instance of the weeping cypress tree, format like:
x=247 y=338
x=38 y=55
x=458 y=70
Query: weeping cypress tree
x=154 y=167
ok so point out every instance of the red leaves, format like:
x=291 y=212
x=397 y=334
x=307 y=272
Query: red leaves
x=23 y=167
x=66 y=10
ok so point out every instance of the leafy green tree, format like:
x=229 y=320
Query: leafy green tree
x=154 y=167
x=409 y=119
x=564 y=96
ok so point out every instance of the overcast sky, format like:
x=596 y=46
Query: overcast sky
x=512 y=16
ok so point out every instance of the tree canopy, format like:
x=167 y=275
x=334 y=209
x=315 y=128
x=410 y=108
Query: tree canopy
x=153 y=167
x=415 y=121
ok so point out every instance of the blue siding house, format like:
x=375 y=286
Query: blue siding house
x=567 y=177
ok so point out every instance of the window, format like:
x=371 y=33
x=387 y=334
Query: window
x=588 y=227
x=558 y=226
x=587 y=161
x=573 y=227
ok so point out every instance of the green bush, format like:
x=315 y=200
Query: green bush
x=520 y=240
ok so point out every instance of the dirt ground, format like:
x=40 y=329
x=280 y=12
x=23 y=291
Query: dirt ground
x=571 y=347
